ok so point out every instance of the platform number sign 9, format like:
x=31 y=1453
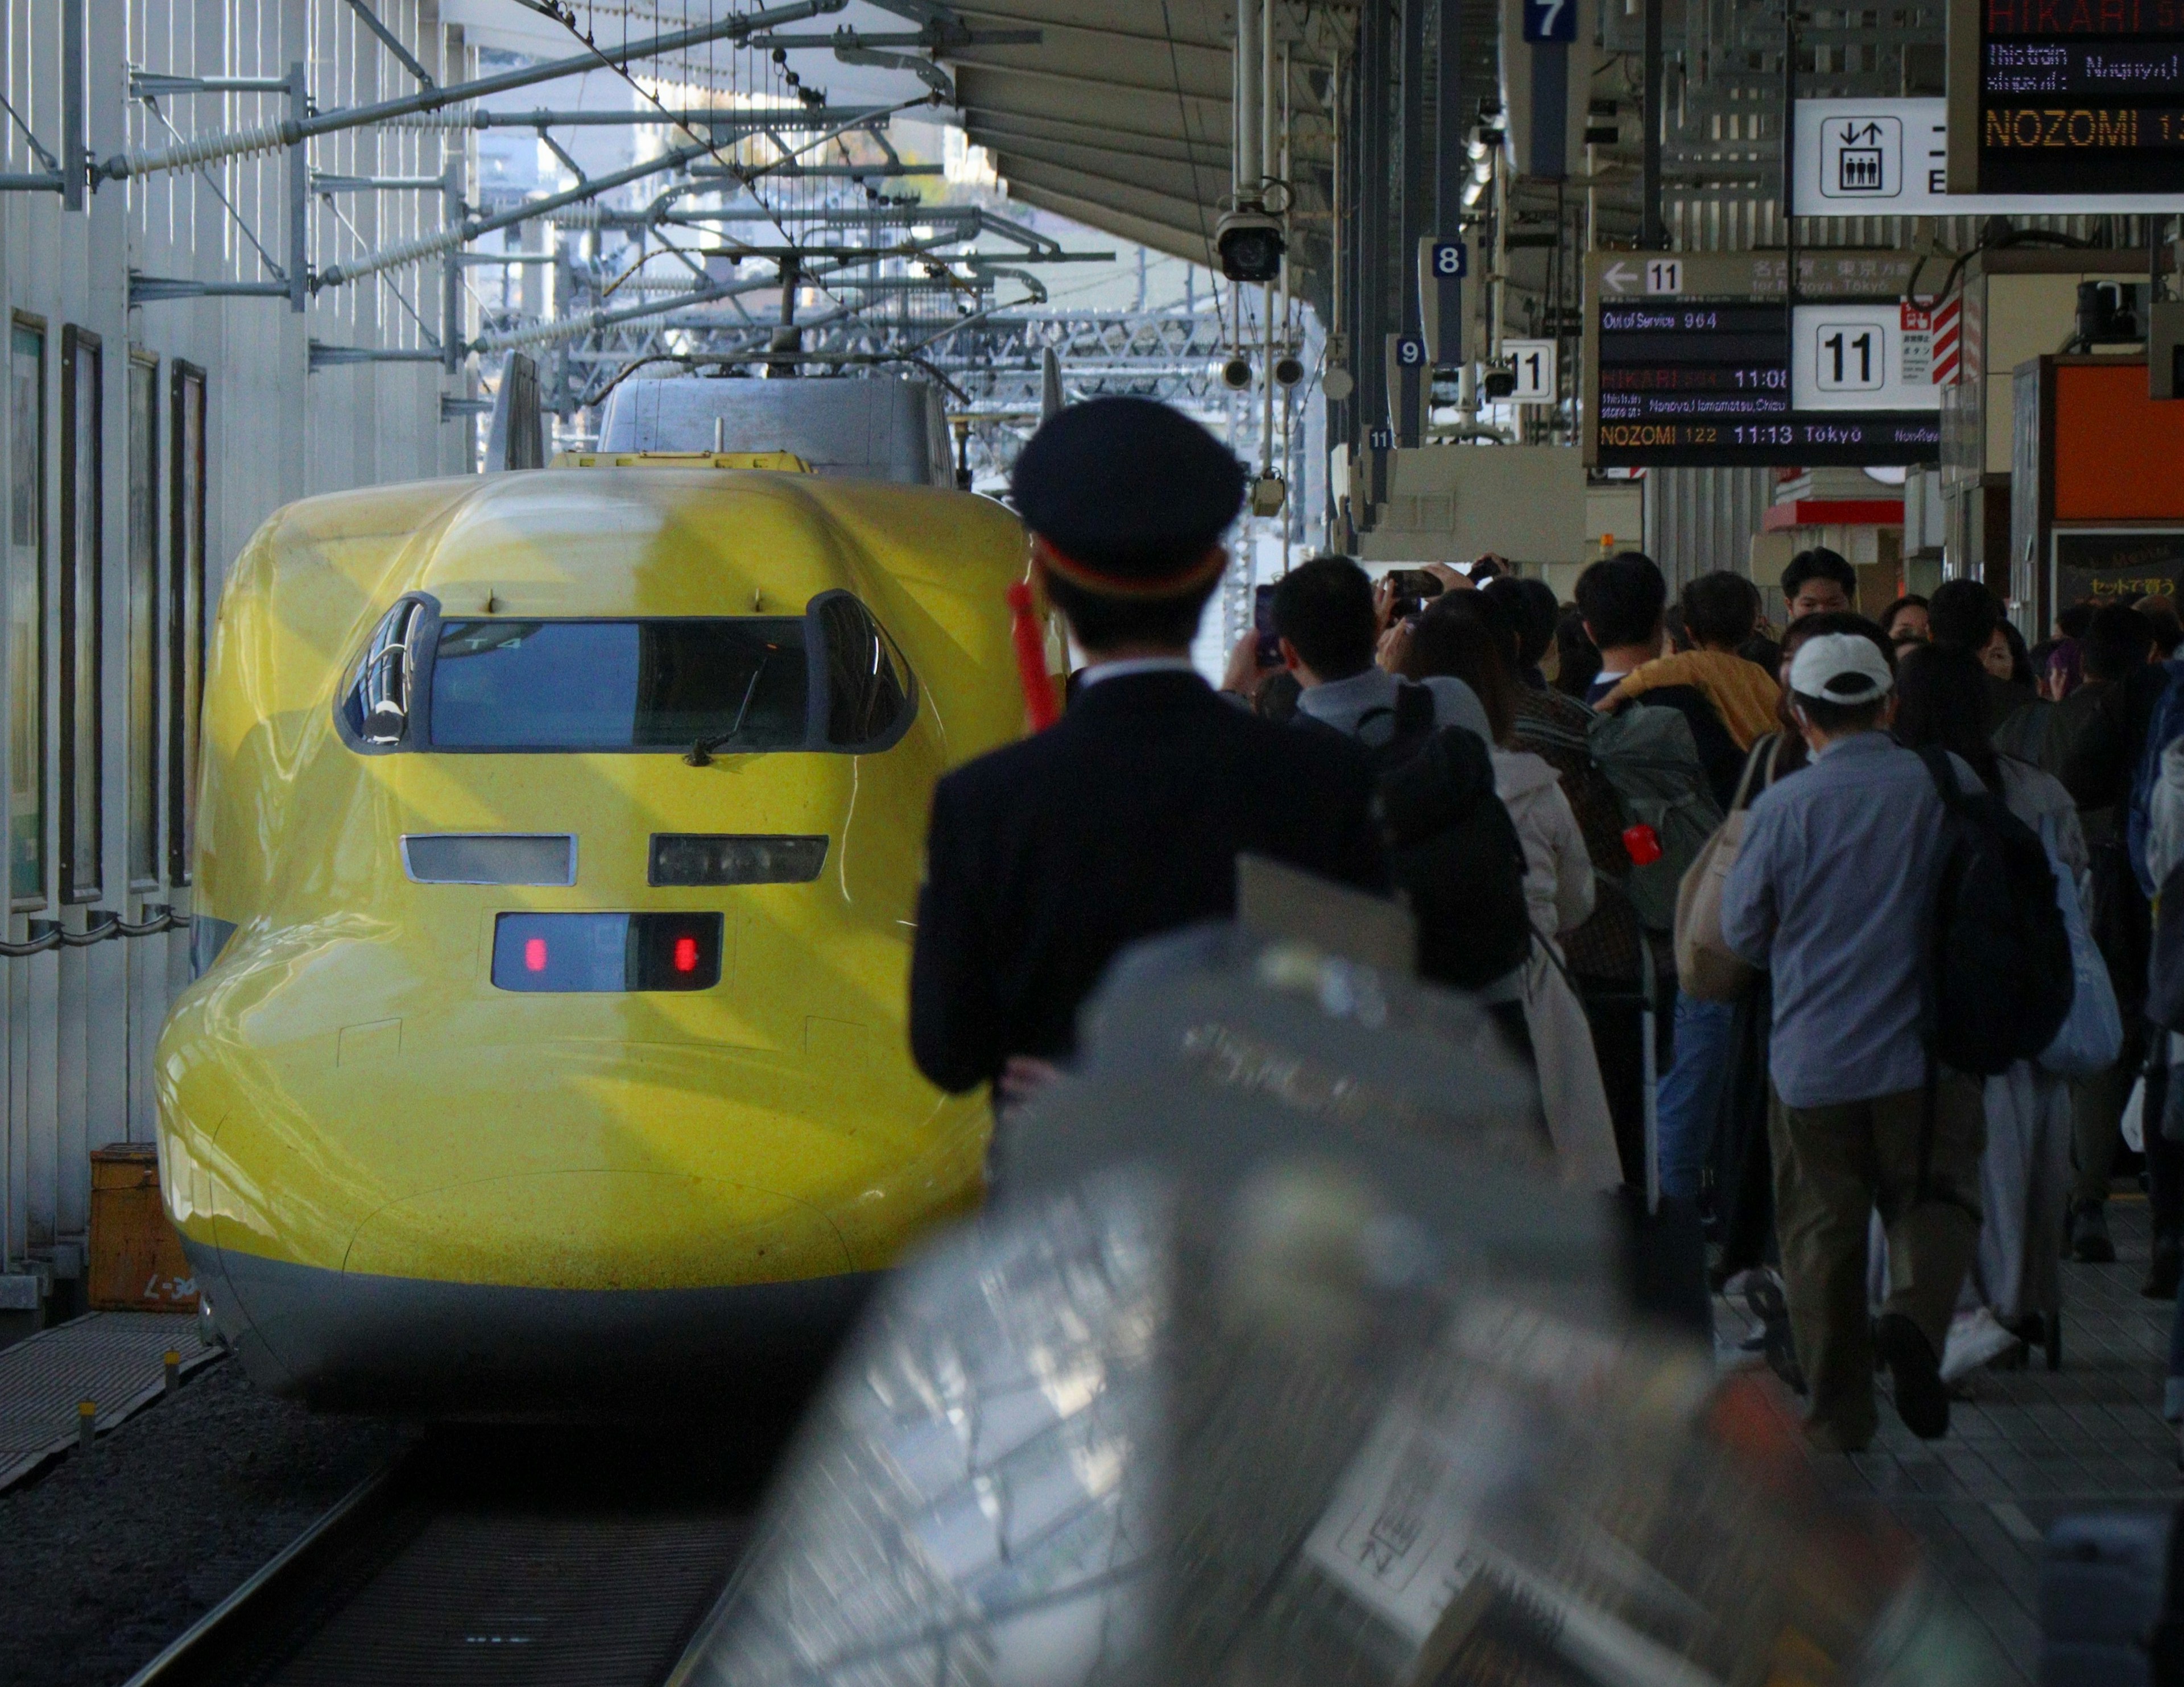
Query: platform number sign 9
x=1533 y=363
x=1550 y=21
x=1411 y=352
x=1850 y=357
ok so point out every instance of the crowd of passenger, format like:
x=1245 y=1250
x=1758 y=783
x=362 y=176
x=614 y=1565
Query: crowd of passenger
x=1622 y=815
x=1791 y=1109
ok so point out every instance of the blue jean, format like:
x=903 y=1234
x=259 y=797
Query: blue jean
x=1691 y=1092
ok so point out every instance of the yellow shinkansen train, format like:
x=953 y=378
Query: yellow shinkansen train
x=555 y=875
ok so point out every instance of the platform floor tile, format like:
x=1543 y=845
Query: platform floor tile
x=115 y=1359
x=2027 y=1447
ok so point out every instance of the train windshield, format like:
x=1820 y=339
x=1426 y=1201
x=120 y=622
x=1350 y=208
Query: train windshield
x=742 y=684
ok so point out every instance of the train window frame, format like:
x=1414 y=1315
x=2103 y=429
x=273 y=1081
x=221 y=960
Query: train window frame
x=83 y=597
x=425 y=639
x=424 y=635
x=817 y=612
x=30 y=700
x=189 y=613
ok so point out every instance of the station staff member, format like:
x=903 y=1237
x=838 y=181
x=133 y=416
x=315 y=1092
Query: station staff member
x=1124 y=819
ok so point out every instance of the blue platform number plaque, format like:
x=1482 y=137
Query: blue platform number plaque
x=1550 y=21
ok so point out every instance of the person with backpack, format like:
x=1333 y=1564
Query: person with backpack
x=2100 y=730
x=1623 y=600
x=1461 y=637
x=1834 y=877
x=1451 y=851
x=1602 y=953
x=2025 y=1167
x=1323 y=614
x=1719 y=610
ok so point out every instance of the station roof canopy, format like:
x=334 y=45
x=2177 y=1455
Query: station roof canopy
x=1120 y=117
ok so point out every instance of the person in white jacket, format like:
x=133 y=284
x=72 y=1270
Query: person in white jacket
x=1453 y=639
x=1559 y=892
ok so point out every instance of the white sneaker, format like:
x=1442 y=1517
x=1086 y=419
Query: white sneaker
x=1975 y=1339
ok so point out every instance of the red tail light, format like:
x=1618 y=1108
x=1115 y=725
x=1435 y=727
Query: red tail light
x=534 y=954
x=685 y=954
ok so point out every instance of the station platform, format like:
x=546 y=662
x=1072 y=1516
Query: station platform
x=2030 y=1446
x=117 y=1361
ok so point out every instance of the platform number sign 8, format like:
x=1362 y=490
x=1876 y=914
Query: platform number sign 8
x=1851 y=358
x=1450 y=259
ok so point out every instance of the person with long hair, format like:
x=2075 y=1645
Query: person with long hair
x=2015 y=1285
x=1461 y=637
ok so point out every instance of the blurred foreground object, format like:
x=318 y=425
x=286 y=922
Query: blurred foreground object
x=1283 y=1360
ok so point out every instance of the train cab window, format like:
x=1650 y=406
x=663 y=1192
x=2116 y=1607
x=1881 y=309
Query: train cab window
x=377 y=704
x=870 y=692
x=737 y=685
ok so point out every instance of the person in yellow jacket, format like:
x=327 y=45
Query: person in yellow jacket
x=1719 y=612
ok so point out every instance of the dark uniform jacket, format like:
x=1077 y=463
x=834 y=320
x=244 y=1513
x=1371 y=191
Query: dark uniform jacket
x=1124 y=819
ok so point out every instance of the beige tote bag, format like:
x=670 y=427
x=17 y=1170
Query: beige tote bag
x=1707 y=968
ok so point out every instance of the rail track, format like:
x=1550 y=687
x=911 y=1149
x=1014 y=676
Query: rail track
x=481 y=1557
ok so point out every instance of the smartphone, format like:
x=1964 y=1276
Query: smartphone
x=1416 y=582
x=1268 y=644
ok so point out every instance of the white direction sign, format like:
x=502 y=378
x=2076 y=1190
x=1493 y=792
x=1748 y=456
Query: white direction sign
x=1533 y=363
x=1862 y=357
x=1890 y=158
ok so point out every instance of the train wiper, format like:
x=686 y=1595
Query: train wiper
x=700 y=754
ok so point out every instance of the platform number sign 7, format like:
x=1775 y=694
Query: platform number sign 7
x=1851 y=358
x=1550 y=21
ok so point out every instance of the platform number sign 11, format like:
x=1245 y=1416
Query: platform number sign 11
x=1533 y=364
x=1851 y=357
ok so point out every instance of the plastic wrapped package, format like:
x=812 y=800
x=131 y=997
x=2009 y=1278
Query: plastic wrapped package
x=1286 y=1362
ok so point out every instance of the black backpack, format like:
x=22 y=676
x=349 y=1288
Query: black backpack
x=1452 y=849
x=2000 y=976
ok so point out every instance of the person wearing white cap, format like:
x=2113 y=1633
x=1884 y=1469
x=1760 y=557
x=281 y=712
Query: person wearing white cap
x=1835 y=869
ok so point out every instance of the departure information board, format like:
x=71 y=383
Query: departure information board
x=2058 y=95
x=1684 y=379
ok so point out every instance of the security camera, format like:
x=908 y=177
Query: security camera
x=1236 y=373
x=1268 y=494
x=1498 y=383
x=1250 y=243
x=1288 y=370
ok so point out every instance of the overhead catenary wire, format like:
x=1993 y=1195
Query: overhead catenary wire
x=291 y=131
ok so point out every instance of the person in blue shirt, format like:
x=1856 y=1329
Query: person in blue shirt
x=1834 y=872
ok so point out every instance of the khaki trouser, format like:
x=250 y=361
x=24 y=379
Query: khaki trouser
x=1833 y=1166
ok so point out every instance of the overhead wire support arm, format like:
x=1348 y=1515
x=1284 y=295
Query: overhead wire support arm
x=211 y=149
x=392 y=42
x=49 y=180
